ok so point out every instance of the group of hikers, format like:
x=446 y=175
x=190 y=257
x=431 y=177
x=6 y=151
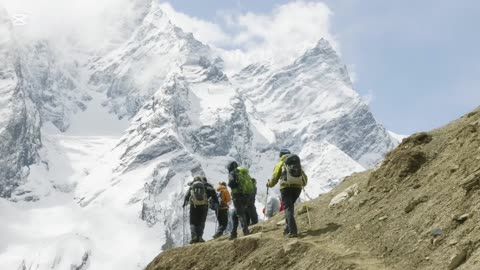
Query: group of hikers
x=201 y=196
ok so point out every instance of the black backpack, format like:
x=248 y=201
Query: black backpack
x=213 y=203
x=293 y=170
x=198 y=193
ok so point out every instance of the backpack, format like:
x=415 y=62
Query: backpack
x=293 y=174
x=198 y=193
x=213 y=203
x=246 y=185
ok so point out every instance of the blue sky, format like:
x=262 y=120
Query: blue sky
x=418 y=62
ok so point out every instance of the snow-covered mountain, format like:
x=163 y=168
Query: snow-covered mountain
x=97 y=156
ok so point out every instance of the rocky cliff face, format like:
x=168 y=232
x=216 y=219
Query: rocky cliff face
x=19 y=118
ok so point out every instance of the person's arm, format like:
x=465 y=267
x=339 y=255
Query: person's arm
x=211 y=192
x=233 y=179
x=305 y=178
x=277 y=173
x=187 y=197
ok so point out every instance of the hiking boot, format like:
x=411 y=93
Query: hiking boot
x=193 y=241
x=217 y=235
x=292 y=235
x=285 y=232
x=200 y=240
x=232 y=237
x=246 y=232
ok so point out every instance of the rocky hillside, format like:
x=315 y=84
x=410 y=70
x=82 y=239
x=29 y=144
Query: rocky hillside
x=418 y=210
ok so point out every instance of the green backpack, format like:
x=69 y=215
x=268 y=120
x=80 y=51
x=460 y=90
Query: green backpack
x=246 y=183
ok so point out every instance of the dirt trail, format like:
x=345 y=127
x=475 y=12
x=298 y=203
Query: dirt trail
x=266 y=250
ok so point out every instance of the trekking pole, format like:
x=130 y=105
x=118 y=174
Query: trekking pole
x=306 y=194
x=265 y=205
x=308 y=213
x=183 y=226
x=216 y=220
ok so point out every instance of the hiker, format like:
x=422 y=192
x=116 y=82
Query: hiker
x=292 y=180
x=197 y=196
x=251 y=213
x=222 y=211
x=242 y=188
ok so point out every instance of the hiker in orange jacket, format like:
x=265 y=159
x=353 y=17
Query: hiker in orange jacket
x=222 y=212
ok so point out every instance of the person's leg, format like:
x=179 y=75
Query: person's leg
x=193 y=224
x=253 y=213
x=240 y=203
x=223 y=220
x=222 y=217
x=233 y=234
x=203 y=212
x=291 y=197
x=285 y=197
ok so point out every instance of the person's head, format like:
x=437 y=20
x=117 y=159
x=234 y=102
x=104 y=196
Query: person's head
x=204 y=179
x=284 y=151
x=197 y=178
x=223 y=184
x=232 y=166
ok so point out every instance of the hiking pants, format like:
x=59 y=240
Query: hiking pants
x=240 y=202
x=289 y=197
x=222 y=217
x=251 y=213
x=198 y=216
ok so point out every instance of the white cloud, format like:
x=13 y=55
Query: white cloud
x=204 y=31
x=278 y=37
x=88 y=23
x=369 y=97
x=285 y=33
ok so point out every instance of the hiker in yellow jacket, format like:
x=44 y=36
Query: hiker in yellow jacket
x=292 y=180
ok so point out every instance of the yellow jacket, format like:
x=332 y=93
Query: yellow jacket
x=225 y=197
x=277 y=174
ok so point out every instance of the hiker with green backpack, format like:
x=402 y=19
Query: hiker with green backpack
x=242 y=187
x=197 y=196
x=292 y=180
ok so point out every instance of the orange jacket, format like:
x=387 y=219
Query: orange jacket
x=225 y=197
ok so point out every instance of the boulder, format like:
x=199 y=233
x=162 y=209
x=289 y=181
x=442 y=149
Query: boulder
x=345 y=195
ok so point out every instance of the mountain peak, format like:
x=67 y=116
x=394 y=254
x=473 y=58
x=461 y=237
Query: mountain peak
x=324 y=54
x=323 y=44
x=157 y=18
x=321 y=51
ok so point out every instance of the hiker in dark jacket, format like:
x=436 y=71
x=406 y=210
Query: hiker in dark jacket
x=251 y=213
x=240 y=201
x=289 y=191
x=197 y=196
